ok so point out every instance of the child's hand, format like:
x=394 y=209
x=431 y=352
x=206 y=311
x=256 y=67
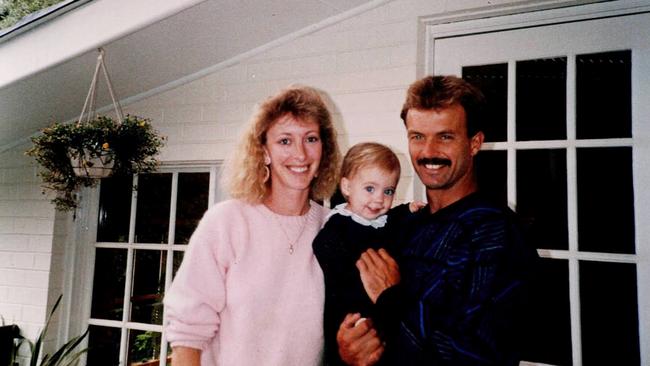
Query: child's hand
x=416 y=205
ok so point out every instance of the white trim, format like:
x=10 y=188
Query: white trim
x=557 y=144
x=39 y=17
x=574 y=311
x=132 y=211
x=496 y=11
x=171 y=230
x=588 y=256
x=130 y=325
x=482 y=21
x=511 y=153
x=28 y=61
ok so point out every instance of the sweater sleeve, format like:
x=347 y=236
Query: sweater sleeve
x=197 y=294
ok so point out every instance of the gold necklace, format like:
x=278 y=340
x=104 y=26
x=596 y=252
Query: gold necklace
x=286 y=234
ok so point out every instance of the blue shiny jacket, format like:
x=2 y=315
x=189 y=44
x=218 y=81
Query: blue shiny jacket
x=465 y=270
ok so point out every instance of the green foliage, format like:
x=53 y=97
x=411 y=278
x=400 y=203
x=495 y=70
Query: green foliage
x=12 y=11
x=145 y=346
x=134 y=144
x=65 y=355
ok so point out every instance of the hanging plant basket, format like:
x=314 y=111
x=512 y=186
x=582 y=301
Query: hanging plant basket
x=92 y=164
x=75 y=155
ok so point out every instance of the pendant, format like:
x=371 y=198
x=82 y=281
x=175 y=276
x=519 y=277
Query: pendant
x=290 y=248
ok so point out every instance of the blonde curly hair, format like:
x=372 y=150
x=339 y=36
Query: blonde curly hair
x=245 y=171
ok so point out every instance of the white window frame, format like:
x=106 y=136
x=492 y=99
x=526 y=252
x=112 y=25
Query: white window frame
x=80 y=256
x=478 y=22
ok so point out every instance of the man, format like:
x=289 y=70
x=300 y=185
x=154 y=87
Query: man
x=463 y=263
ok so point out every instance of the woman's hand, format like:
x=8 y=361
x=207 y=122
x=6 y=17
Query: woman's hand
x=185 y=356
x=378 y=271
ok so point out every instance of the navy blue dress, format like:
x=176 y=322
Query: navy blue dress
x=337 y=247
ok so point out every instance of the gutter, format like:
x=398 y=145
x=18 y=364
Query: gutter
x=37 y=18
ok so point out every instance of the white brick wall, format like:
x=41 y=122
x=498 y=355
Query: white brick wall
x=26 y=232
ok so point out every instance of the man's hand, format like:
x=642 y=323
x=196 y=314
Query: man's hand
x=379 y=271
x=359 y=344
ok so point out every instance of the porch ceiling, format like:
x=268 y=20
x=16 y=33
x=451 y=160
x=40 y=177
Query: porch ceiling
x=42 y=81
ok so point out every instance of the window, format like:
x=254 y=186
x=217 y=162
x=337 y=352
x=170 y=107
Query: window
x=566 y=127
x=542 y=198
x=141 y=237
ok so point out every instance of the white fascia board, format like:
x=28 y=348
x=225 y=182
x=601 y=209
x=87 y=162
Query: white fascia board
x=90 y=26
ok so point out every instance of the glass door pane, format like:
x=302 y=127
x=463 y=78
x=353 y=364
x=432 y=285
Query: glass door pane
x=154 y=201
x=108 y=284
x=604 y=79
x=191 y=203
x=103 y=346
x=148 y=288
x=493 y=82
x=541 y=99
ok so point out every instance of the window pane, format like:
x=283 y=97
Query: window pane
x=605 y=200
x=152 y=219
x=108 y=284
x=143 y=346
x=492 y=174
x=604 y=80
x=549 y=338
x=608 y=304
x=178 y=259
x=148 y=286
x=493 y=82
x=541 y=99
x=542 y=196
x=103 y=346
x=191 y=203
x=114 y=209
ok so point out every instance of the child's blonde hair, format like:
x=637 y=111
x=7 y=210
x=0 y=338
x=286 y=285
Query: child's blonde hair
x=367 y=154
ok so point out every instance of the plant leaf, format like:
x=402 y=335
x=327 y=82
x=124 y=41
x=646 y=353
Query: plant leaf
x=66 y=351
x=36 y=351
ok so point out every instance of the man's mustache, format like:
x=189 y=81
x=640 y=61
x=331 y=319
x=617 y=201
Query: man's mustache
x=434 y=161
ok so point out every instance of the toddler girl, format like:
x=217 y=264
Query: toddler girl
x=369 y=177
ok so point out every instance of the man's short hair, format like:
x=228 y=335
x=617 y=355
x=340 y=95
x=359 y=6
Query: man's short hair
x=435 y=92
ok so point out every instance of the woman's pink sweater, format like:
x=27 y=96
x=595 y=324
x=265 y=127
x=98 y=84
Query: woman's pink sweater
x=241 y=297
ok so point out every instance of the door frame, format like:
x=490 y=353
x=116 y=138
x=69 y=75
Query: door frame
x=513 y=18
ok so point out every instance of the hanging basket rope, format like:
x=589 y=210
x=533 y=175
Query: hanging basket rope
x=98 y=163
x=89 y=105
x=74 y=155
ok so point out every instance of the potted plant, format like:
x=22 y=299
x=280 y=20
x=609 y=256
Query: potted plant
x=68 y=354
x=76 y=155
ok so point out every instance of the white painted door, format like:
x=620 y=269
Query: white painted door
x=569 y=148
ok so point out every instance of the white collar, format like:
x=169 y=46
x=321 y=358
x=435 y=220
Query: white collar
x=342 y=210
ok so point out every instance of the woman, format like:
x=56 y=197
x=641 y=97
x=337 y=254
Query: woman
x=249 y=290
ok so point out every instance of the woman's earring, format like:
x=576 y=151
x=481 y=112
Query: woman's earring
x=267 y=173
